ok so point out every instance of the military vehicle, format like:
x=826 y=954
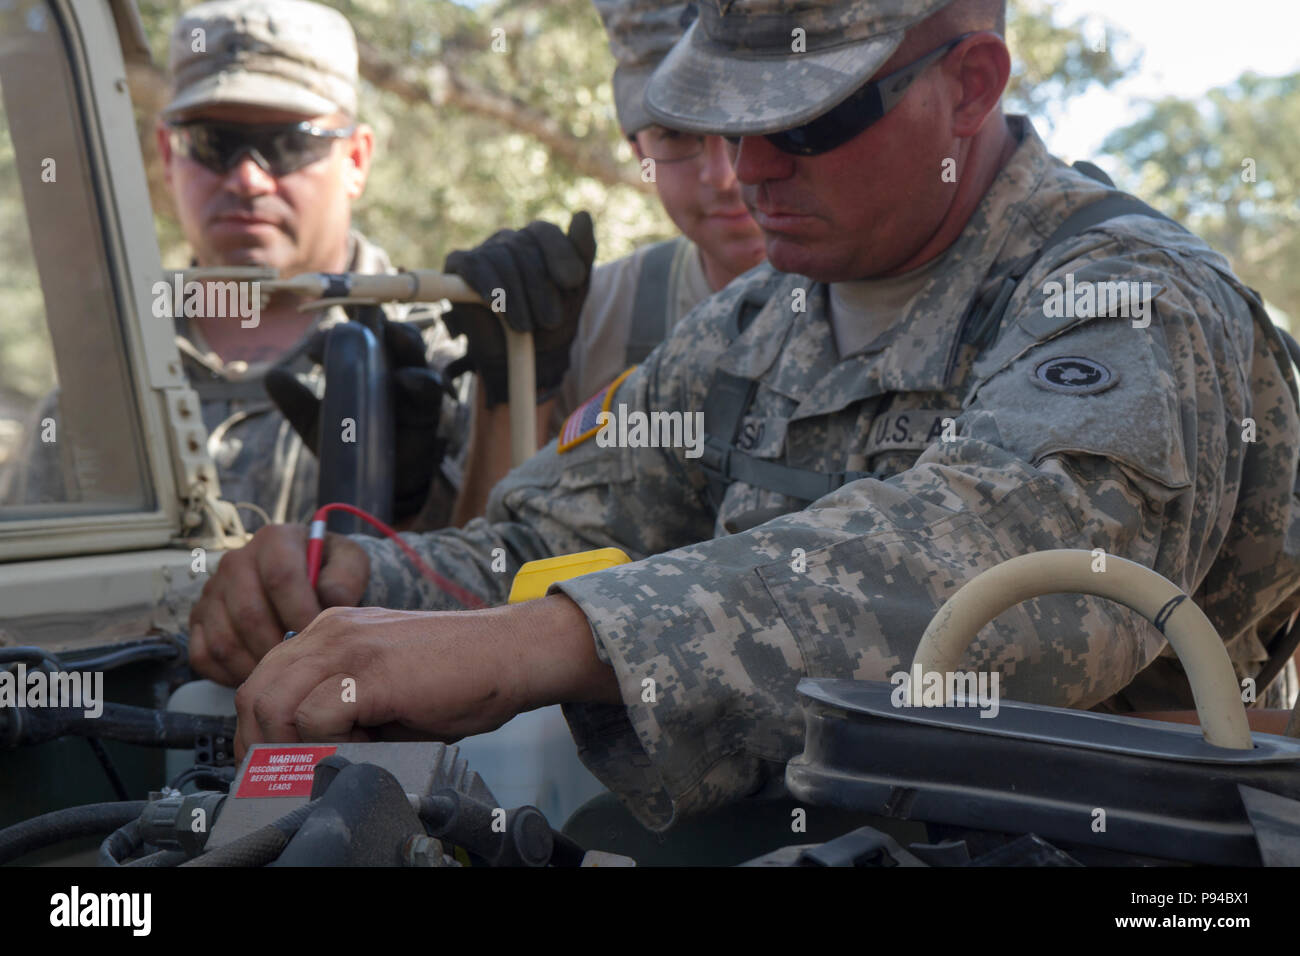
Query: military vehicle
x=99 y=569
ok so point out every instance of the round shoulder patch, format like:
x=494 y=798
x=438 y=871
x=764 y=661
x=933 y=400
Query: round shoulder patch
x=1073 y=375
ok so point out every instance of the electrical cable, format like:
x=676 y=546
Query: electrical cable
x=125 y=655
x=110 y=769
x=59 y=826
x=108 y=660
x=223 y=777
x=316 y=549
x=25 y=654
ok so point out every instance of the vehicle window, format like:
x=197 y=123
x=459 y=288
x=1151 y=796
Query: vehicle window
x=70 y=438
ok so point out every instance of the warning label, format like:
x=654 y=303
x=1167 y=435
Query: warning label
x=281 y=771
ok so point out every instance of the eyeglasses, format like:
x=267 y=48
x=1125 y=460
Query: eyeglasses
x=853 y=116
x=669 y=145
x=279 y=149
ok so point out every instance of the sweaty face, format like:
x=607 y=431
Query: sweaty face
x=859 y=210
x=701 y=196
x=297 y=222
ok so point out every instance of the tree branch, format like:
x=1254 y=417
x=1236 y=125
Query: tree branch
x=440 y=87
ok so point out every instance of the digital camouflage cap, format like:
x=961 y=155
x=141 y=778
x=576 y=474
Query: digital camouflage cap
x=749 y=67
x=640 y=32
x=279 y=54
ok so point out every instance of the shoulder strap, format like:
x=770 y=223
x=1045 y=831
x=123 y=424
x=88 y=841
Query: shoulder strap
x=989 y=310
x=729 y=397
x=649 y=325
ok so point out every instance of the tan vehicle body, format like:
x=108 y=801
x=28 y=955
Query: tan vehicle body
x=75 y=581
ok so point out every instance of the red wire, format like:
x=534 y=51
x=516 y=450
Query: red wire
x=315 y=549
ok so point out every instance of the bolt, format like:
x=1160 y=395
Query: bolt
x=422 y=850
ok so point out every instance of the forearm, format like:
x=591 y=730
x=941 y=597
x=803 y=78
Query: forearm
x=556 y=657
x=725 y=629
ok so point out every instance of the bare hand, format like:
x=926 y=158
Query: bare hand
x=370 y=673
x=260 y=591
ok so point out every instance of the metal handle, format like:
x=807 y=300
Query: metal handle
x=426 y=285
x=1190 y=633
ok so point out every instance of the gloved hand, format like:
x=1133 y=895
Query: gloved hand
x=544 y=275
x=417 y=410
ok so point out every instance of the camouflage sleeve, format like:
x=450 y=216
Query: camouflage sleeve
x=708 y=641
x=641 y=500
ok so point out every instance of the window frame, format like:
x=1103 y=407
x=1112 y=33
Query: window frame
x=157 y=387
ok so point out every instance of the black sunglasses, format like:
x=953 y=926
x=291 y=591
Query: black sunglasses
x=867 y=105
x=278 y=148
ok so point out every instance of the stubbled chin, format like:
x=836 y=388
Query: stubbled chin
x=786 y=256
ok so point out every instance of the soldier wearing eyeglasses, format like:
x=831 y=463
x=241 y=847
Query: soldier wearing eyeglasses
x=264 y=154
x=893 y=404
x=633 y=302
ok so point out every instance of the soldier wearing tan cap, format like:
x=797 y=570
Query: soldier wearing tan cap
x=897 y=401
x=634 y=302
x=265 y=155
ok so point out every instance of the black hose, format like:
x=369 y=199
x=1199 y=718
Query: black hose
x=116 y=657
x=110 y=769
x=30 y=655
x=72 y=823
x=161 y=858
x=261 y=846
x=121 y=844
x=211 y=778
x=125 y=655
x=133 y=725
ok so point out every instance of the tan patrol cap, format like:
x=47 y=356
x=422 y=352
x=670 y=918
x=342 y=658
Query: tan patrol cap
x=749 y=67
x=640 y=33
x=280 y=54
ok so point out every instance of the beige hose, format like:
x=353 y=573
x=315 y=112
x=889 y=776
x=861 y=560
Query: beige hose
x=425 y=285
x=1199 y=648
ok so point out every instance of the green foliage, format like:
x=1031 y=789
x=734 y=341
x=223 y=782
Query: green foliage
x=471 y=139
x=1053 y=62
x=1196 y=162
x=446 y=177
x=26 y=366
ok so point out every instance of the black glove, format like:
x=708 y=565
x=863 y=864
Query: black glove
x=544 y=275
x=418 y=391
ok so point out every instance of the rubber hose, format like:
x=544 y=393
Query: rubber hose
x=1199 y=647
x=72 y=823
x=120 y=844
x=161 y=858
x=133 y=725
x=259 y=847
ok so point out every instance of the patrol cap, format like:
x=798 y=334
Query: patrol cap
x=281 y=54
x=737 y=72
x=640 y=33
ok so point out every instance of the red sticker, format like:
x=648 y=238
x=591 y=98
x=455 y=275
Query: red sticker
x=281 y=771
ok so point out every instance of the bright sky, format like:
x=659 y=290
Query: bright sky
x=1190 y=46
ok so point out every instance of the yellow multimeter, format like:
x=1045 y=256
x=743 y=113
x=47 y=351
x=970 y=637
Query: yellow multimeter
x=536 y=576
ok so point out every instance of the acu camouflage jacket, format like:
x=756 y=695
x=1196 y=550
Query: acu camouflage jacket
x=1142 y=449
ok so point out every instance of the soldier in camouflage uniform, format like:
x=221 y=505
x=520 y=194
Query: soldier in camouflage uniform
x=634 y=301
x=889 y=411
x=262 y=62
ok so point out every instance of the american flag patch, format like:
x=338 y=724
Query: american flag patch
x=585 y=420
